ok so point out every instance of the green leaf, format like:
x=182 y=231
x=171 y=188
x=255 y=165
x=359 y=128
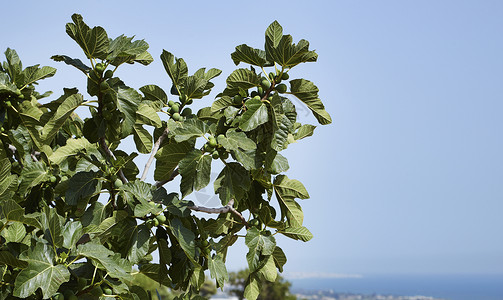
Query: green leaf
x=128 y=101
x=269 y=270
x=81 y=187
x=307 y=92
x=41 y=273
x=64 y=111
x=273 y=35
x=276 y=163
x=242 y=79
x=249 y=55
x=154 y=93
x=175 y=67
x=93 y=41
x=13 y=66
x=194 y=87
x=221 y=103
x=284 y=127
x=106 y=260
x=72 y=147
x=290 y=188
x=298 y=233
x=33 y=174
x=11 y=211
x=185 y=238
x=218 y=270
x=234 y=140
x=34 y=73
x=14 y=233
x=279 y=48
x=195 y=169
x=232 y=182
x=258 y=245
x=304 y=131
x=168 y=157
x=72 y=231
x=286 y=191
x=154 y=271
x=6 y=258
x=279 y=258
x=142 y=139
x=77 y=63
x=255 y=115
x=138 y=243
x=5 y=85
x=252 y=287
x=123 y=50
x=148 y=116
x=191 y=128
x=51 y=223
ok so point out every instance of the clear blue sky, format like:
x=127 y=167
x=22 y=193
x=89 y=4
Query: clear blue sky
x=408 y=178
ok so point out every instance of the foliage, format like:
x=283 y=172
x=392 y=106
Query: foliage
x=76 y=219
x=278 y=289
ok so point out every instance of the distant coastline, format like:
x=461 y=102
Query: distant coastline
x=449 y=287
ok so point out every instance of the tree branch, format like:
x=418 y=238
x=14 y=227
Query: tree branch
x=175 y=173
x=221 y=210
x=154 y=151
x=109 y=152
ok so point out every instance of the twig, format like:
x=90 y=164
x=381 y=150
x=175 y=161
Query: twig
x=163 y=182
x=154 y=151
x=110 y=154
x=221 y=210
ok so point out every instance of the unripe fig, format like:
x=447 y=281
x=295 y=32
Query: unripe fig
x=53 y=179
x=224 y=155
x=215 y=154
x=281 y=88
x=212 y=142
x=285 y=76
x=161 y=218
x=118 y=183
x=265 y=84
x=100 y=68
x=237 y=100
x=108 y=74
x=175 y=108
x=176 y=116
x=186 y=112
x=171 y=103
x=107 y=291
x=256 y=98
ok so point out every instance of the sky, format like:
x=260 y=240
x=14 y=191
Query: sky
x=408 y=177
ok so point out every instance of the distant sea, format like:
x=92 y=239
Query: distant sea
x=451 y=287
